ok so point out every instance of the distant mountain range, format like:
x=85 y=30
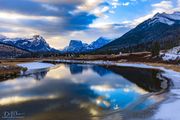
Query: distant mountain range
x=163 y=28
x=35 y=44
x=77 y=46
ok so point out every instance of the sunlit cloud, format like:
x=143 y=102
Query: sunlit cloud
x=16 y=17
x=89 y=5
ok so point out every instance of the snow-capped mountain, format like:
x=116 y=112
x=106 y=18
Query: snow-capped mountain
x=164 y=28
x=35 y=44
x=77 y=46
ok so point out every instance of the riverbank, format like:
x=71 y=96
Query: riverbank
x=135 y=58
x=10 y=66
x=165 y=107
x=9 y=71
x=168 y=105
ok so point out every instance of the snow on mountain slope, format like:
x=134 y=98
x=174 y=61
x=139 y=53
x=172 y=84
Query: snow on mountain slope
x=172 y=54
x=76 y=46
x=98 y=43
x=35 y=44
x=165 y=18
x=174 y=16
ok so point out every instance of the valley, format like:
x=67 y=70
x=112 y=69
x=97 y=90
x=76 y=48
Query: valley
x=135 y=76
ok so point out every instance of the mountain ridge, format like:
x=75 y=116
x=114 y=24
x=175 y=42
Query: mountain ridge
x=149 y=31
x=35 y=44
x=77 y=46
x=9 y=51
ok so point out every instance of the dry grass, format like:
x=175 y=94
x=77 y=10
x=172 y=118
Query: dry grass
x=168 y=66
x=165 y=65
x=141 y=57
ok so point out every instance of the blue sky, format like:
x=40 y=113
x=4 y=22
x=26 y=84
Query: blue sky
x=59 y=21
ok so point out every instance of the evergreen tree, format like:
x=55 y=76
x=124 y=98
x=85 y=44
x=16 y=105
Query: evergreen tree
x=155 y=49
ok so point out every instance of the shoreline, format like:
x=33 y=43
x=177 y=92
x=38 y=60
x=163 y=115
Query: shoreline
x=13 y=69
x=9 y=71
x=167 y=72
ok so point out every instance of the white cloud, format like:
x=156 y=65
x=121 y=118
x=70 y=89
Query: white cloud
x=16 y=17
x=102 y=25
x=50 y=7
x=115 y=4
x=112 y=11
x=163 y=6
x=107 y=29
x=57 y=41
x=105 y=9
x=89 y=5
x=99 y=11
x=93 y=7
x=125 y=4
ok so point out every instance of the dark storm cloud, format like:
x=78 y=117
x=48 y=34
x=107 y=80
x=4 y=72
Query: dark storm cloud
x=61 y=10
x=35 y=8
x=71 y=23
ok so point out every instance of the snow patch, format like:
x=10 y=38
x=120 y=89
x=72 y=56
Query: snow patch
x=170 y=109
x=165 y=18
x=172 y=54
x=35 y=65
x=170 y=57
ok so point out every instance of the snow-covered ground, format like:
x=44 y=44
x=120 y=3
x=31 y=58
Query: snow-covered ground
x=169 y=109
x=172 y=54
x=35 y=65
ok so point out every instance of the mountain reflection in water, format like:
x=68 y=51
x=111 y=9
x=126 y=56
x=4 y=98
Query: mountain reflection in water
x=81 y=91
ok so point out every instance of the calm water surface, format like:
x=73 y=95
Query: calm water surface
x=83 y=92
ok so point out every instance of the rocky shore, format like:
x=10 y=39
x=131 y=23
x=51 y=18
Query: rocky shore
x=9 y=71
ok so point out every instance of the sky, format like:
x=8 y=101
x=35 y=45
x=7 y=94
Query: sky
x=60 y=21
